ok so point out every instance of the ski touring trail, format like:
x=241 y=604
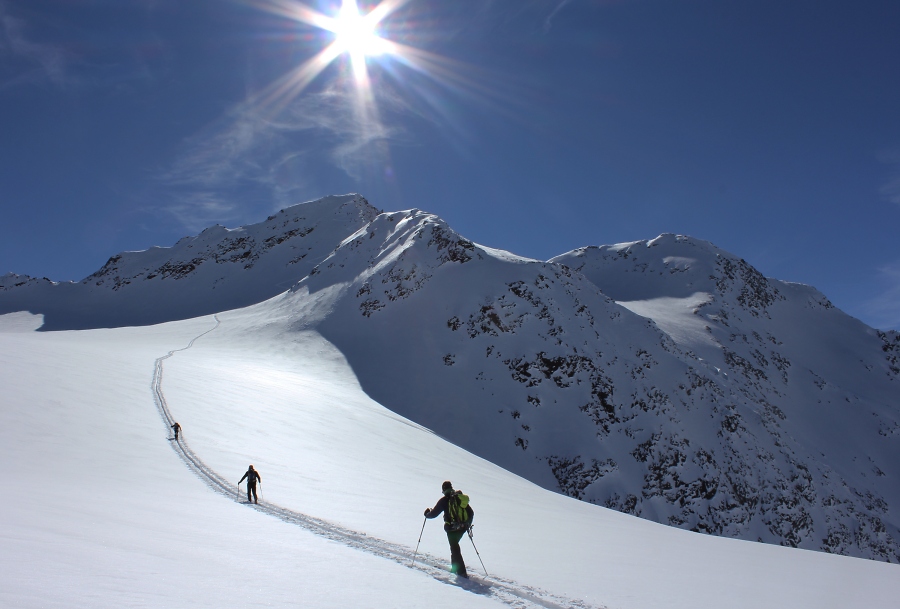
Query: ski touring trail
x=505 y=591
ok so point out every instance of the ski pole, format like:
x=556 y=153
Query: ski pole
x=472 y=539
x=420 y=541
x=237 y=495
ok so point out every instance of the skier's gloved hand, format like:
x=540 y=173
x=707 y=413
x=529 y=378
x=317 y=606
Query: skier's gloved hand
x=427 y=511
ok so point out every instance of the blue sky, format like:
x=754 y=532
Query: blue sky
x=770 y=128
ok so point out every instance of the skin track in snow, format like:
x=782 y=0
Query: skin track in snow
x=505 y=591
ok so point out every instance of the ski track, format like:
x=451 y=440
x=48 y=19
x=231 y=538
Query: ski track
x=506 y=591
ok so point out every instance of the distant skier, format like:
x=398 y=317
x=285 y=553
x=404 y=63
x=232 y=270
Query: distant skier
x=177 y=429
x=252 y=476
x=458 y=515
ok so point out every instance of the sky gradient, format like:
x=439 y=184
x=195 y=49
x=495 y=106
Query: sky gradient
x=769 y=128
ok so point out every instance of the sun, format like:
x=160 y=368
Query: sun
x=355 y=34
x=358 y=37
x=358 y=42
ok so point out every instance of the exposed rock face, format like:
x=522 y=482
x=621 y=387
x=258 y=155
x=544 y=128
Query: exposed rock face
x=12 y=281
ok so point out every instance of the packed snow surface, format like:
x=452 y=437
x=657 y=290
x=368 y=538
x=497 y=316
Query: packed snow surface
x=104 y=511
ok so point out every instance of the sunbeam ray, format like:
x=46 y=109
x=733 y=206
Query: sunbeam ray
x=280 y=93
x=296 y=11
x=380 y=12
x=367 y=49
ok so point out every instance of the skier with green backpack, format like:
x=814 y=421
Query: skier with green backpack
x=458 y=515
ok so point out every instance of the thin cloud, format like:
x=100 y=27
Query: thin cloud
x=210 y=180
x=218 y=156
x=352 y=130
x=248 y=157
x=51 y=60
x=195 y=210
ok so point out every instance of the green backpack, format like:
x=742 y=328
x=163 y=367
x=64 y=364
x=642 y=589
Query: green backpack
x=456 y=507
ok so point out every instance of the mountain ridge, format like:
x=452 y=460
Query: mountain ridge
x=705 y=396
x=224 y=268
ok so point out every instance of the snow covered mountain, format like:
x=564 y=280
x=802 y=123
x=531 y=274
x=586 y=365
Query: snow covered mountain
x=665 y=379
x=218 y=270
x=786 y=434
x=809 y=429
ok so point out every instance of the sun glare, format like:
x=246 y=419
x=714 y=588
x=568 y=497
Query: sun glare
x=357 y=43
x=355 y=34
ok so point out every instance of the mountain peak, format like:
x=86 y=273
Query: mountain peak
x=708 y=397
x=218 y=269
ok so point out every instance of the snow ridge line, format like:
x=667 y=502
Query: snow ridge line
x=506 y=591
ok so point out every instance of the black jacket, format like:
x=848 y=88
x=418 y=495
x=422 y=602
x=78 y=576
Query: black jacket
x=252 y=476
x=441 y=507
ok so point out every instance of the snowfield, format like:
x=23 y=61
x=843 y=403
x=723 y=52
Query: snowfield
x=103 y=510
x=666 y=379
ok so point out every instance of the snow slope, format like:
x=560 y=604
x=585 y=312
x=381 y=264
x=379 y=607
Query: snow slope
x=789 y=435
x=102 y=514
x=106 y=514
x=666 y=379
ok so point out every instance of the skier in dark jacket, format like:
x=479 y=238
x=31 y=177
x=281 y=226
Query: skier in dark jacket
x=176 y=428
x=252 y=476
x=458 y=517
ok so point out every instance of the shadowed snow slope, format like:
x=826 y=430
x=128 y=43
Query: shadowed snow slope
x=106 y=515
x=785 y=431
x=666 y=379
